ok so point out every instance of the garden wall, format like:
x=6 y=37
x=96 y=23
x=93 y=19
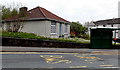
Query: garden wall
x=8 y=41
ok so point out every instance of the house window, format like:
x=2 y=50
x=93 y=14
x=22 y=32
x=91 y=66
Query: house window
x=53 y=27
x=66 y=28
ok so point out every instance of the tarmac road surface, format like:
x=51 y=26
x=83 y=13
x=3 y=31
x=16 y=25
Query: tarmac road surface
x=29 y=58
x=49 y=60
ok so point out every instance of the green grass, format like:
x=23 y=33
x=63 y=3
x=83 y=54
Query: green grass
x=116 y=43
x=34 y=36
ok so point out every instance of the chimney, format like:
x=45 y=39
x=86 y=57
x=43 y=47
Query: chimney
x=23 y=11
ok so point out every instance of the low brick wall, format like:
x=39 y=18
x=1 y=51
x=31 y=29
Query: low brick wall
x=8 y=41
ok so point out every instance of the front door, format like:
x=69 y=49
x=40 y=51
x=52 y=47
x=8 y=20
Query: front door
x=60 y=30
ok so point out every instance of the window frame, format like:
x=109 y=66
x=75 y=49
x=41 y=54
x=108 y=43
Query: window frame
x=53 y=26
x=66 y=28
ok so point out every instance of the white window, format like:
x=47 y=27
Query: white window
x=66 y=28
x=53 y=27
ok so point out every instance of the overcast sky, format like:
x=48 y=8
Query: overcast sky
x=74 y=10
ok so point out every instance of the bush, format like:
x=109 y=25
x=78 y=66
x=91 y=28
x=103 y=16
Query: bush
x=34 y=36
x=85 y=36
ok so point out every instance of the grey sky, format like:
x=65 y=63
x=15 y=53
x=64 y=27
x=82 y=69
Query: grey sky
x=75 y=10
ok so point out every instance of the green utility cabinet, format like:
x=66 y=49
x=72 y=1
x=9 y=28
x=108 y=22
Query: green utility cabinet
x=101 y=38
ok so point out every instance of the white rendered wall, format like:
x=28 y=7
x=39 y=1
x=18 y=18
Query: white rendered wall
x=41 y=28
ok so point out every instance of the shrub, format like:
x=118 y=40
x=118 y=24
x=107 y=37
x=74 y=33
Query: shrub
x=85 y=36
x=34 y=36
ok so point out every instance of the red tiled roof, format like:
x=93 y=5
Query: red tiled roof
x=40 y=13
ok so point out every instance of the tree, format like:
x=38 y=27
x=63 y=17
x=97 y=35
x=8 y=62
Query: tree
x=9 y=12
x=0 y=12
x=78 y=28
x=6 y=12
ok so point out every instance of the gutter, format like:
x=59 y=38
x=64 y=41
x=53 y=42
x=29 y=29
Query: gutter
x=38 y=19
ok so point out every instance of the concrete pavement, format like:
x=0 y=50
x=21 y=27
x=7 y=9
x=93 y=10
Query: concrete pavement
x=60 y=50
x=37 y=49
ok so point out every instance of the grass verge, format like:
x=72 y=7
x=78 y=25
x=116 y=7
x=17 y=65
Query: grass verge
x=34 y=36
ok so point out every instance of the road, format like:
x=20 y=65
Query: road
x=59 y=60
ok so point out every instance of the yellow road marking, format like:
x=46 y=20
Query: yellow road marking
x=92 y=53
x=33 y=53
x=54 y=59
x=86 y=57
x=78 y=66
x=51 y=56
x=50 y=59
x=66 y=61
x=105 y=65
x=105 y=52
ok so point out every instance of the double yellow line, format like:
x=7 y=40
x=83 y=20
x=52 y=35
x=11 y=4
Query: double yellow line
x=34 y=53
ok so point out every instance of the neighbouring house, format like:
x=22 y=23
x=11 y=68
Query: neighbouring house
x=41 y=22
x=115 y=22
x=89 y=25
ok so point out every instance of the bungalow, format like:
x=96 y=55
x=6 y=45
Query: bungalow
x=41 y=22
